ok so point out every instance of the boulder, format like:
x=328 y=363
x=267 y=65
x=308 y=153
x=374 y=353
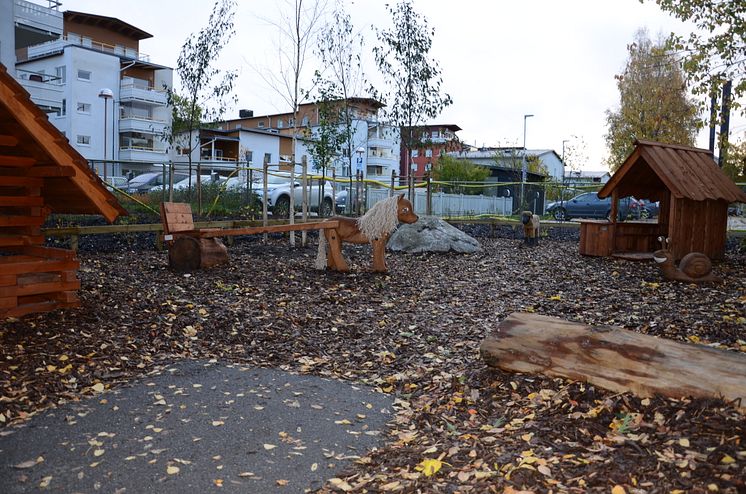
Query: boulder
x=431 y=234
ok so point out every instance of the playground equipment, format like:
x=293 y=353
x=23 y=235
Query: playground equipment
x=373 y=227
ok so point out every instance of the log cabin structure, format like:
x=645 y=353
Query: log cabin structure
x=40 y=173
x=693 y=194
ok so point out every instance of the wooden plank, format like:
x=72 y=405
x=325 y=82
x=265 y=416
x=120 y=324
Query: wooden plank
x=30 y=264
x=8 y=141
x=36 y=307
x=20 y=181
x=317 y=225
x=38 y=288
x=51 y=171
x=7 y=303
x=7 y=279
x=16 y=161
x=21 y=220
x=20 y=201
x=17 y=240
x=615 y=358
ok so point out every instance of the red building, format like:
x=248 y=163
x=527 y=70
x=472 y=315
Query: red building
x=435 y=140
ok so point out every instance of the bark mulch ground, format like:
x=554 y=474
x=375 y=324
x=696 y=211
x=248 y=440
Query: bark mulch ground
x=413 y=334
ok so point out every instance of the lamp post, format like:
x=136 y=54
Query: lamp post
x=106 y=94
x=524 y=167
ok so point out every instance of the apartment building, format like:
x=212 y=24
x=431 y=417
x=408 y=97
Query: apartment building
x=434 y=141
x=375 y=145
x=87 y=72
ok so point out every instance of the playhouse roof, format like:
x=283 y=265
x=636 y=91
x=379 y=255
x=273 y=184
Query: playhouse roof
x=31 y=146
x=687 y=172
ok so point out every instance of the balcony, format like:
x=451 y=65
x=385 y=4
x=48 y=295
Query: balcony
x=38 y=17
x=72 y=39
x=45 y=90
x=130 y=123
x=143 y=94
x=144 y=154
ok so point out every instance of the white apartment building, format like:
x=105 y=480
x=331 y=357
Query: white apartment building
x=87 y=72
x=375 y=146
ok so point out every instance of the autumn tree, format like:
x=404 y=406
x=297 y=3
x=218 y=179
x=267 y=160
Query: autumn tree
x=735 y=162
x=413 y=78
x=206 y=89
x=654 y=103
x=716 y=51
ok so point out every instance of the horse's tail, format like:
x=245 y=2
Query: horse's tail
x=321 y=255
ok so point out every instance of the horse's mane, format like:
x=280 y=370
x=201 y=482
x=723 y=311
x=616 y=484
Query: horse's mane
x=381 y=219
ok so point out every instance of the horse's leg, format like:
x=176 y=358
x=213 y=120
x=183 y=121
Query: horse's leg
x=335 y=260
x=379 y=251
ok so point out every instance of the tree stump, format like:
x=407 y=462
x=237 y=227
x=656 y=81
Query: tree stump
x=190 y=253
x=615 y=359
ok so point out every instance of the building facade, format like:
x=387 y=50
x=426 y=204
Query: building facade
x=434 y=141
x=374 y=147
x=87 y=73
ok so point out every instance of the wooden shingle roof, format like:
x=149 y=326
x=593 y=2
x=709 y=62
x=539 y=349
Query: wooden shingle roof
x=31 y=146
x=687 y=172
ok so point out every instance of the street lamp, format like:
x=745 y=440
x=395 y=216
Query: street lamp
x=106 y=94
x=524 y=167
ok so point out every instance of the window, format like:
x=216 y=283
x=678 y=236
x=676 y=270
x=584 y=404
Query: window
x=84 y=75
x=304 y=122
x=84 y=107
x=63 y=110
x=436 y=134
x=415 y=153
x=249 y=156
x=428 y=153
x=267 y=157
x=61 y=74
x=84 y=140
x=280 y=123
x=260 y=124
x=291 y=122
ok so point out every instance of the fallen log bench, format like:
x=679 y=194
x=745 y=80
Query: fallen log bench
x=190 y=249
x=614 y=358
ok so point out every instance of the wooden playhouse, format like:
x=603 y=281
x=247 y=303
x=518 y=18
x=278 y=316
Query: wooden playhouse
x=693 y=193
x=40 y=173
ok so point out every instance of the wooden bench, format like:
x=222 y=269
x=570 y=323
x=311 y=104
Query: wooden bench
x=190 y=249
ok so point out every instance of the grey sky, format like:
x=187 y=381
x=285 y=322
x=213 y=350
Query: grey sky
x=500 y=59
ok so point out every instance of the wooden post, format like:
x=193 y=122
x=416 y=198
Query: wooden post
x=291 y=213
x=304 y=207
x=614 y=358
x=429 y=194
x=393 y=182
x=614 y=206
x=334 y=191
x=265 y=170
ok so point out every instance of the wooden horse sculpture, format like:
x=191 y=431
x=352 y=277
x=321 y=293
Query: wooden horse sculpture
x=694 y=267
x=373 y=227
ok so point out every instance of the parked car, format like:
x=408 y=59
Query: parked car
x=186 y=183
x=143 y=183
x=340 y=201
x=649 y=209
x=115 y=182
x=589 y=205
x=278 y=192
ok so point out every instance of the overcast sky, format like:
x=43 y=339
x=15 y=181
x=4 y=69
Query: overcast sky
x=500 y=59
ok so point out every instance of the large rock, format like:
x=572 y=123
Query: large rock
x=431 y=234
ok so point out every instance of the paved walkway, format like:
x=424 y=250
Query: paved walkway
x=197 y=427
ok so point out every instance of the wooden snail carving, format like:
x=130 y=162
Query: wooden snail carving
x=694 y=267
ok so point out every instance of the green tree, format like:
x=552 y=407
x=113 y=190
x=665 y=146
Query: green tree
x=182 y=120
x=206 y=88
x=413 y=78
x=653 y=101
x=715 y=52
x=457 y=171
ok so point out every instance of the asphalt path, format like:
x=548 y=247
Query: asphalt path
x=197 y=427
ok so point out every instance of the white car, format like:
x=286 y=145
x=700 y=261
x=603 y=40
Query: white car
x=186 y=183
x=278 y=191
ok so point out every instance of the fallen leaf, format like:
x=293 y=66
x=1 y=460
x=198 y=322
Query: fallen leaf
x=217 y=423
x=98 y=452
x=172 y=470
x=45 y=481
x=618 y=489
x=269 y=446
x=429 y=466
x=98 y=387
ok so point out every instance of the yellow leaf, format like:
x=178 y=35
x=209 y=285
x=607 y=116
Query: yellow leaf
x=727 y=460
x=98 y=452
x=45 y=481
x=555 y=297
x=712 y=487
x=98 y=387
x=684 y=442
x=217 y=423
x=618 y=489
x=429 y=466
x=269 y=446
x=51 y=368
x=63 y=358
x=282 y=482
x=342 y=422
x=218 y=482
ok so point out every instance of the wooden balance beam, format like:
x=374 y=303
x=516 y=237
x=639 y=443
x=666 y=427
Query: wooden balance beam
x=616 y=359
x=190 y=249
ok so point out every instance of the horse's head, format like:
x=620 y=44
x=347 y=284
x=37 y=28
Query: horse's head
x=404 y=211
